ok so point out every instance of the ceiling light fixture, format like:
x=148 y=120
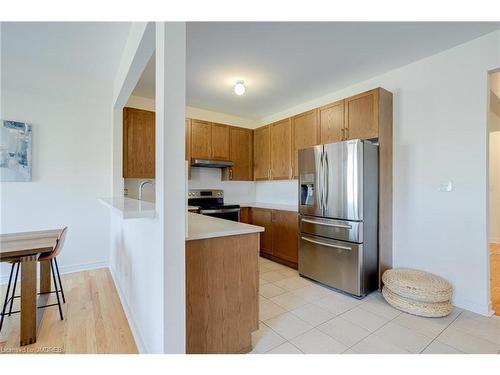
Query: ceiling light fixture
x=239 y=88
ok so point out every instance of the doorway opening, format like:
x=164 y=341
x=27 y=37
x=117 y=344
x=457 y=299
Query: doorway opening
x=494 y=188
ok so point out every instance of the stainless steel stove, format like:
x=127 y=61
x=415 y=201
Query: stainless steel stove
x=211 y=203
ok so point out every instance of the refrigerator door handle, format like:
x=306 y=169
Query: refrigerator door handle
x=327 y=224
x=326 y=244
x=321 y=180
x=327 y=179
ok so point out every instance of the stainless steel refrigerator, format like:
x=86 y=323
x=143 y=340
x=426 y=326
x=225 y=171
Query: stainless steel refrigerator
x=338 y=207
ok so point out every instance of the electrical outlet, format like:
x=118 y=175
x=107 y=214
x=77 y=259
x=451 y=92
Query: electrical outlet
x=445 y=186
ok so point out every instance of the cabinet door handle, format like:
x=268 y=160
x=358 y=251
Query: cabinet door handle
x=231 y=174
x=343 y=134
x=346 y=133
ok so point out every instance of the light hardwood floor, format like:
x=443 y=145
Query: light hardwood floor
x=94 y=321
x=495 y=277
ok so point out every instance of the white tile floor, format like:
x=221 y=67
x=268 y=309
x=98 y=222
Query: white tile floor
x=299 y=316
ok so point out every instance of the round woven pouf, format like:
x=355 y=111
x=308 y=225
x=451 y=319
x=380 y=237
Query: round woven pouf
x=427 y=309
x=417 y=285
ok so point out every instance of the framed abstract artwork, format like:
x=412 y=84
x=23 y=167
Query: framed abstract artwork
x=15 y=151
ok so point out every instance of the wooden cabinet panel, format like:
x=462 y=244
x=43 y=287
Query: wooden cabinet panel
x=281 y=151
x=284 y=233
x=188 y=145
x=262 y=153
x=241 y=153
x=201 y=139
x=220 y=141
x=361 y=115
x=263 y=218
x=245 y=215
x=305 y=134
x=331 y=122
x=138 y=143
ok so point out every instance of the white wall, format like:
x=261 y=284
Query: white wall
x=136 y=260
x=71 y=161
x=234 y=191
x=197 y=113
x=440 y=134
x=172 y=176
x=282 y=192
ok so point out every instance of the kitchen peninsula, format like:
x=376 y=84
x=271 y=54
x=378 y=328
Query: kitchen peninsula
x=222 y=285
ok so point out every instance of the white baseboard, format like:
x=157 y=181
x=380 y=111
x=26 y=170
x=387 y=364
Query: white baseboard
x=67 y=269
x=494 y=240
x=141 y=346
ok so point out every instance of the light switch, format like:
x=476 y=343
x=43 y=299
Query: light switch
x=446 y=186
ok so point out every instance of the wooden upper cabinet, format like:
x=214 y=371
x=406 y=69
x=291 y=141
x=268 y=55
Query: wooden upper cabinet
x=241 y=154
x=201 y=139
x=361 y=115
x=138 y=143
x=331 y=122
x=220 y=142
x=264 y=218
x=305 y=134
x=262 y=153
x=284 y=234
x=281 y=150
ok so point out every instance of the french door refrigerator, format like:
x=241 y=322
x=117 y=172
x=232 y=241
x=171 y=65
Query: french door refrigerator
x=338 y=214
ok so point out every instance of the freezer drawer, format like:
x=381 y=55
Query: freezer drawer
x=334 y=263
x=342 y=230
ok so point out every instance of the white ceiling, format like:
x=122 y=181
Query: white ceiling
x=285 y=64
x=89 y=49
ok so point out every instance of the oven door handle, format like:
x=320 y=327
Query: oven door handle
x=219 y=211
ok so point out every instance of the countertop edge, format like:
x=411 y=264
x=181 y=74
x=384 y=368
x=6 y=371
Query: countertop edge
x=269 y=206
x=236 y=229
x=148 y=211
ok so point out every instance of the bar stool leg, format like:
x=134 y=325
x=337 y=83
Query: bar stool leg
x=6 y=296
x=57 y=291
x=14 y=289
x=60 y=283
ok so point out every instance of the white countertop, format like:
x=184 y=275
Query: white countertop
x=269 y=206
x=203 y=226
x=129 y=208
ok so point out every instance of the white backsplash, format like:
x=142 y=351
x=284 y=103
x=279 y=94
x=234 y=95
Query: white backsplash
x=210 y=178
x=279 y=192
x=132 y=187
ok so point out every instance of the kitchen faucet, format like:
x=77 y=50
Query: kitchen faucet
x=141 y=185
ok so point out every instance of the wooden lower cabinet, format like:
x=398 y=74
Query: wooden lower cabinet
x=279 y=240
x=245 y=215
x=263 y=218
x=222 y=294
x=285 y=226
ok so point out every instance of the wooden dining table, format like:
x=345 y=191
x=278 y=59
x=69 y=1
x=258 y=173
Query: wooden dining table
x=26 y=247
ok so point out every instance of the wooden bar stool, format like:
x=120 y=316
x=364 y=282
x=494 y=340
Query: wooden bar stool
x=51 y=257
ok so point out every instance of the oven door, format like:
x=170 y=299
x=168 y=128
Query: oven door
x=222 y=213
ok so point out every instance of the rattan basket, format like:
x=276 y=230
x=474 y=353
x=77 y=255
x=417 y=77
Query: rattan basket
x=417 y=285
x=427 y=309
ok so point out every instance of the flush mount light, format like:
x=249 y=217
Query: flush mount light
x=239 y=88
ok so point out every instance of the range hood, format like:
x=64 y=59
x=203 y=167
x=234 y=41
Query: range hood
x=208 y=163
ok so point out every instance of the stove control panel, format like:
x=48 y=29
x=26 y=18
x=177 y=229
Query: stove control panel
x=200 y=193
